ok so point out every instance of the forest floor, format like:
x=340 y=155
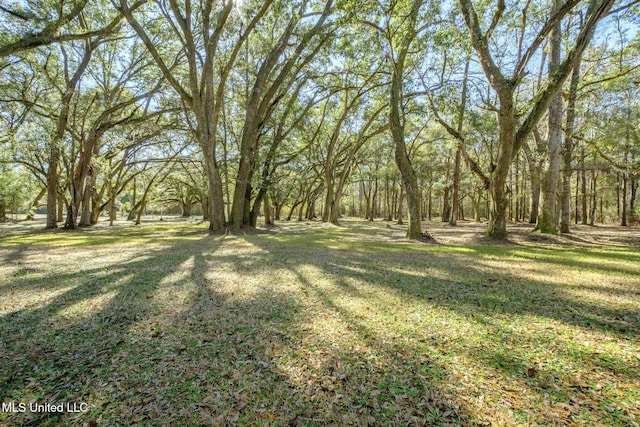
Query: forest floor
x=312 y=324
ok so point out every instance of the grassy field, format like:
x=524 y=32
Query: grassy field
x=308 y=324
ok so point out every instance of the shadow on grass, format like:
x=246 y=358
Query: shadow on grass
x=308 y=329
x=176 y=336
x=468 y=290
x=64 y=347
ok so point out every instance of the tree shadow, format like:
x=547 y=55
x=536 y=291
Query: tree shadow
x=468 y=289
x=305 y=329
x=63 y=348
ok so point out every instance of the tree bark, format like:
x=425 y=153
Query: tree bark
x=594 y=200
x=623 y=215
x=567 y=155
x=583 y=186
x=34 y=204
x=399 y=219
x=396 y=123
x=455 y=203
x=85 y=215
x=268 y=220
x=52 y=186
x=547 y=222
x=60 y=208
x=134 y=203
x=3 y=211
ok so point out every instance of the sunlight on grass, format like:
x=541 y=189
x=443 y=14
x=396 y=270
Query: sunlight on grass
x=318 y=327
x=84 y=309
x=30 y=299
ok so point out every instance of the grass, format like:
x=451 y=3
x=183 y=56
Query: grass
x=318 y=325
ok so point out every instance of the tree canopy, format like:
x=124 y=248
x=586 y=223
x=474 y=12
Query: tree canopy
x=404 y=109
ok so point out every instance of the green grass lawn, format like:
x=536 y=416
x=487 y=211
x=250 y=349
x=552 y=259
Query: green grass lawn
x=307 y=324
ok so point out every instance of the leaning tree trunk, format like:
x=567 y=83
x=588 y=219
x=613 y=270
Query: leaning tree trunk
x=133 y=212
x=34 y=205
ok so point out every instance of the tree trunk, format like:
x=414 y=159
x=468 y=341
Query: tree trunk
x=399 y=206
x=334 y=208
x=186 y=208
x=374 y=197
x=113 y=213
x=206 y=209
x=446 y=205
x=632 y=200
x=455 y=202
x=567 y=155
x=293 y=209
x=52 y=187
x=267 y=210
x=329 y=196
x=396 y=124
x=387 y=199
x=85 y=214
x=143 y=205
x=133 y=204
x=498 y=204
x=430 y=202
x=301 y=211
x=535 y=177
x=594 y=179
x=278 y=210
x=133 y=212
x=623 y=219
x=34 y=205
x=498 y=208
x=60 y=208
x=216 y=200
x=476 y=208
x=547 y=222
x=583 y=185
x=366 y=192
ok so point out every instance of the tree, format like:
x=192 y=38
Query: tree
x=198 y=33
x=398 y=51
x=31 y=26
x=279 y=68
x=513 y=131
x=548 y=219
x=121 y=98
